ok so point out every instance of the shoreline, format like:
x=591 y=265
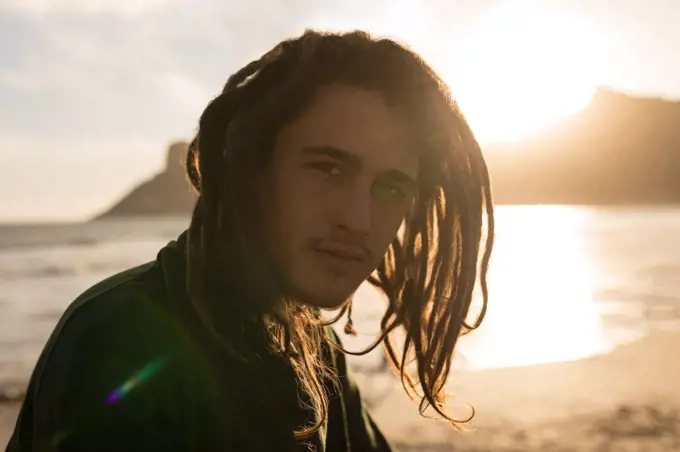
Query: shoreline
x=629 y=397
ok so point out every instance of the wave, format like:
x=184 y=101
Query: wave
x=40 y=272
x=43 y=242
x=65 y=270
x=88 y=234
x=69 y=261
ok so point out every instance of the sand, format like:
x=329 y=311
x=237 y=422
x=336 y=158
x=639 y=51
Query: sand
x=627 y=400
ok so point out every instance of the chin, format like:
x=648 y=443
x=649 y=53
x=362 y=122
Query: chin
x=329 y=304
x=326 y=299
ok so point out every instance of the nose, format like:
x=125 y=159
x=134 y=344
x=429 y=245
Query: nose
x=354 y=212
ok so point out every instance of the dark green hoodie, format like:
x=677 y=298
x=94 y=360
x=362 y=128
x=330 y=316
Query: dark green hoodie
x=129 y=367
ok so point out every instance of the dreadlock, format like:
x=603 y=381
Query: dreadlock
x=428 y=273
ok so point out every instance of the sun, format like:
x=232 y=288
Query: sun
x=521 y=68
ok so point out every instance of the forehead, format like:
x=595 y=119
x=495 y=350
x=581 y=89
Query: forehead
x=357 y=121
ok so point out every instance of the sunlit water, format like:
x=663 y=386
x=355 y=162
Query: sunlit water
x=565 y=282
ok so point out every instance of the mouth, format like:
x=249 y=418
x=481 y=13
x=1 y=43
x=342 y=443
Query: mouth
x=342 y=253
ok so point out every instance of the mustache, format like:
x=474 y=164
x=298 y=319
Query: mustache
x=353 y=247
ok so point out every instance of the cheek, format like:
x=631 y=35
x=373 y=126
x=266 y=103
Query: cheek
x=300 y=204
x=386 y=226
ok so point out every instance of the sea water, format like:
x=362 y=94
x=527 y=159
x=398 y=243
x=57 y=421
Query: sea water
x=564 y=283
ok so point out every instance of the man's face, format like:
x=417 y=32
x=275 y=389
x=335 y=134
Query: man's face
x=341 y=179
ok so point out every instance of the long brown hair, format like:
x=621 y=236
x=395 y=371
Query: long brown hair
x=428 y=273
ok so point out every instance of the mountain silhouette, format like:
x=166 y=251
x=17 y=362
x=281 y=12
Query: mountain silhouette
x=621 y=149
x=166 y=194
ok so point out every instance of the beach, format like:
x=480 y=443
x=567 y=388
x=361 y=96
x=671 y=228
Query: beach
x=626 y=400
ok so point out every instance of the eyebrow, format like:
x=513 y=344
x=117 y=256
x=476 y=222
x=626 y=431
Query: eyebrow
x=348 y=157
x=333 y=152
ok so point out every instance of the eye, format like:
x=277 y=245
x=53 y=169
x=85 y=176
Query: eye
x=388 y=191
x=327 y=167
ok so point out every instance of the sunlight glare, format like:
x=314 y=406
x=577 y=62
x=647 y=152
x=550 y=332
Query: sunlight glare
x=523 y=67
x=541 y=284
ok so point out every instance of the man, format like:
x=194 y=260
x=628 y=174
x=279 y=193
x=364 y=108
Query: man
x=308 y=165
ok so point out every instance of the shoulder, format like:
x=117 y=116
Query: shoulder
x=110 y=301
x=112 y=305
x=112 y=330
x=108 y=370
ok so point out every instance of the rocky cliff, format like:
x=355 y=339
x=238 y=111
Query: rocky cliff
x=166 y=194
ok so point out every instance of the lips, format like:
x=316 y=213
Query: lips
x=342 y=252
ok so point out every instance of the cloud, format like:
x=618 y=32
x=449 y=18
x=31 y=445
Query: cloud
x=125 y=7
x=83 y=81
x=71 y=74
x=112 y=68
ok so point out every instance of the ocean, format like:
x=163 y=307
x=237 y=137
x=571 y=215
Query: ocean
x=565 y=282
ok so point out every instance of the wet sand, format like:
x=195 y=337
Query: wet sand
x=628 y=400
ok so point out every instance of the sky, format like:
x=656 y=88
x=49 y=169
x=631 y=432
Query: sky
x=93 y=91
